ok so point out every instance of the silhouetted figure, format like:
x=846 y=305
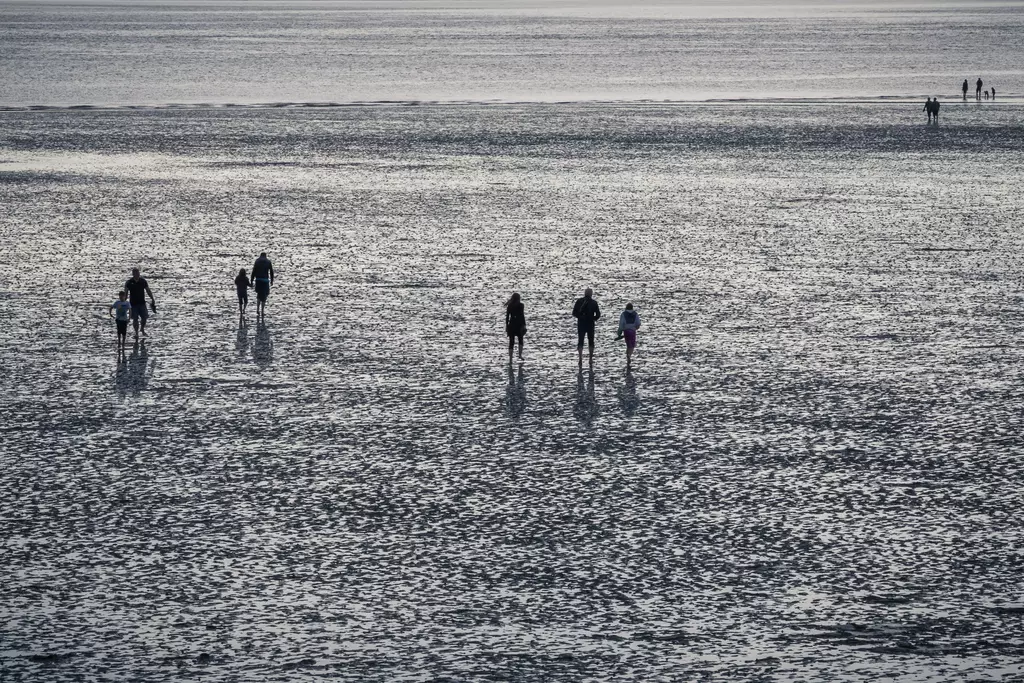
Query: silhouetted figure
x=587 y=312
x=935 y=110
x=515 y=324
x=122 y=312
x=242 y=287
x=986 y=94
x=977 y=88
x=137 y=289
x=262 y=280
x=928 y=107
x=629 y=323
x=993 y=93
x=966 y=87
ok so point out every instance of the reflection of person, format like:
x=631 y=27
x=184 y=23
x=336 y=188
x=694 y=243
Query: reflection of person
x=628 y=399
x=262 y=280
x=137 y=289
x=242 y=287
x=586 y=398
x=132 y=376
x=587 y=312
x=122 y=311
x=515 y=324
x=242 y=339
x=263 y=348
x=629 y=323
x=515 y=394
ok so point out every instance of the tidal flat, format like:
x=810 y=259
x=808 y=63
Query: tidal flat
x=812 y=472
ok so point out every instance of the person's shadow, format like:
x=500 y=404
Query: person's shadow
x=263 y=347
x=628 y=399
x=515 y=393
x=133 y=373
x=242 y=339
x=586 y=408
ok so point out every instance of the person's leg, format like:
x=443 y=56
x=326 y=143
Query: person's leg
x=590 y=342
x=143 y=317
x=579 y=346
x=511 y=346
x=520 y=347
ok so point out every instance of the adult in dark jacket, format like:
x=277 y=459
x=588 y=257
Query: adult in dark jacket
x=515 y=324
x=137 y=289
x=587 y=312
x=262 y=279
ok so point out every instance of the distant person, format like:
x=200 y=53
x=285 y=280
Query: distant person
x=515 y=324
x=137 y=289
x=122 y=312
x=629 y=323
x=986 y=94
x=993 y=93
x=966 y=87
x=935 y=110
x=242 y=287
x=587 y=312
x=928 y=107
x=977 y=88
x=262 y=280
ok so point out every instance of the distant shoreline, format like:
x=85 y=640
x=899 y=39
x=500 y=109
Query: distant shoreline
x=839 y=100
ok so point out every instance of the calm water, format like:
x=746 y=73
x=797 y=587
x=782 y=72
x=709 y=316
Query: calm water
x=149 y=53
x=812 y=473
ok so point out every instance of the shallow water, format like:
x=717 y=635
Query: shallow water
x=812 y=473
x=110 y=52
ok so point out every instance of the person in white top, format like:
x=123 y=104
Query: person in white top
x=629 y=323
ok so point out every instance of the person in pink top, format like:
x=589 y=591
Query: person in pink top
x=629 y=323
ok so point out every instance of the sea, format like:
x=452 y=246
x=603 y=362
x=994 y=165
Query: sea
x=811 y=471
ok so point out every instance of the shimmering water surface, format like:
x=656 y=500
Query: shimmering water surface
x=111 y=52
x=812 y=473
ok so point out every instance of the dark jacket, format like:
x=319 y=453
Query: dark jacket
x=262 y=269
x=587 y=312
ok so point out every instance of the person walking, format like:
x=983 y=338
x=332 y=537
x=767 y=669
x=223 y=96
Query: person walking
x=137 y=289
x=629 y=323
x=587 y=312
x=262 y=281
x=242 y=287
x=935 y=110
x=977 y=88
x=515 y=324
x=928 y=108
x=122 y=312
x=965 y=89
x=993 y=93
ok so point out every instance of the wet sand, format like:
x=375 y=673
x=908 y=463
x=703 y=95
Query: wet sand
x=812 y=473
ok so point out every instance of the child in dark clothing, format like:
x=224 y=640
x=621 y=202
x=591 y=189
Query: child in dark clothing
x=242 y=285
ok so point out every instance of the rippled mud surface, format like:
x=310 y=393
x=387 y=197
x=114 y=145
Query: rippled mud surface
x=812 y=473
